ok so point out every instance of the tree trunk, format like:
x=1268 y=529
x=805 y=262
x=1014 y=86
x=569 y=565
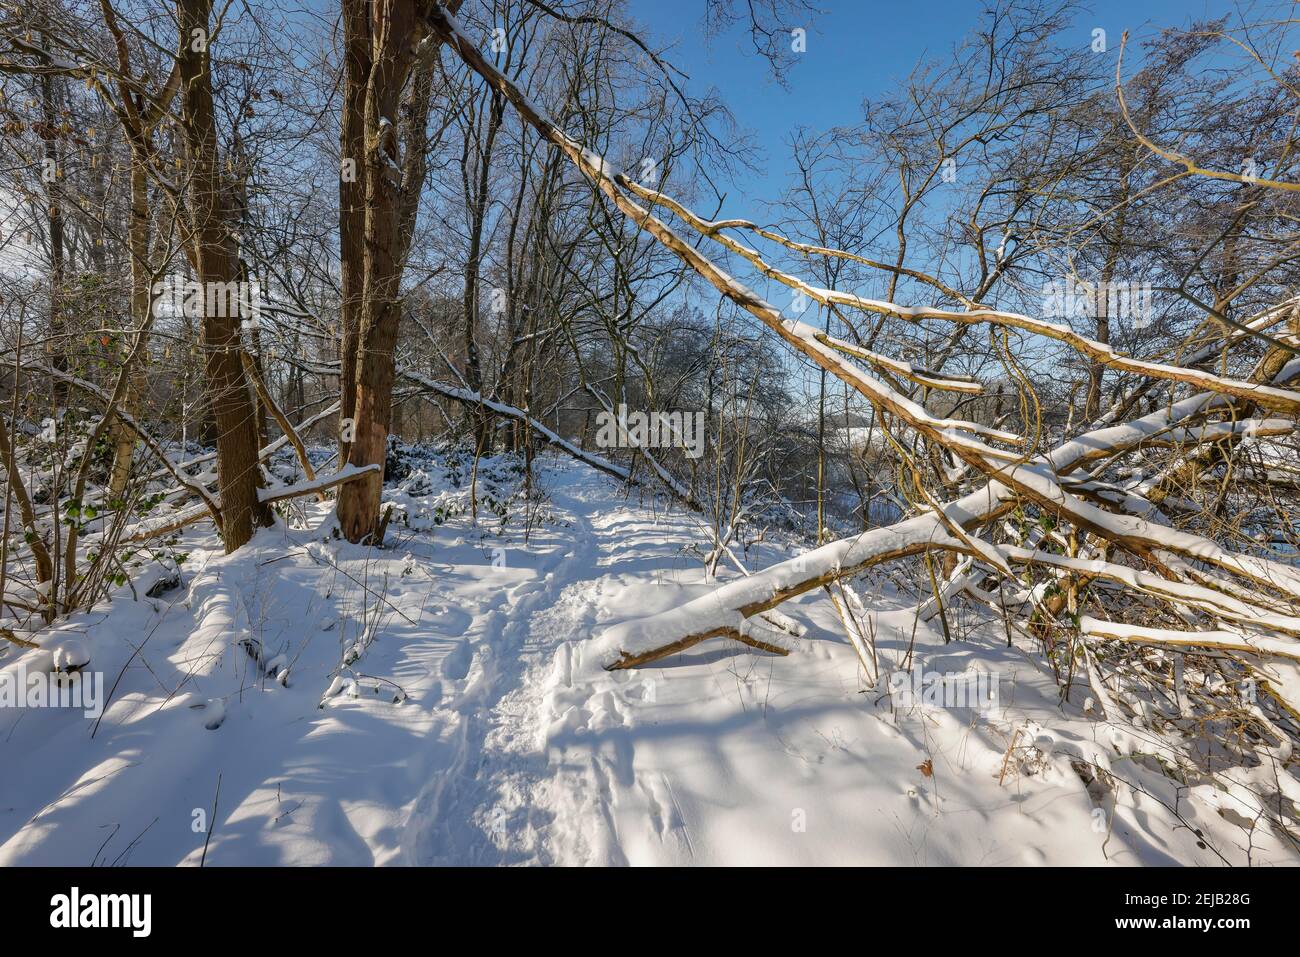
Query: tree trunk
x=1115 y=244
x=57 y=346
x=215 y=261
x=352 y=212
x=393 y=30
x=141 y=277
x=478 y=201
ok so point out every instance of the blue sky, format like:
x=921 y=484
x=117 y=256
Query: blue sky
x=856 y=48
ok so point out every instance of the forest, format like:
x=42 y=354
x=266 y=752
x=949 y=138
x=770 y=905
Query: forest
x=417 y=449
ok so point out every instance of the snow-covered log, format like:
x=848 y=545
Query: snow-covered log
x=1210 y=640
x=349 y=473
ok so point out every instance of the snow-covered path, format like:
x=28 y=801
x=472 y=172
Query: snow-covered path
x=509 y=747
x=455 y=819
x=725 y=756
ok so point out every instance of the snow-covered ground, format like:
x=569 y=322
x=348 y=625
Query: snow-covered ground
x=442 y=705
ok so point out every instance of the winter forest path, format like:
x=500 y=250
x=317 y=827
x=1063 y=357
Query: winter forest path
x=439 y=707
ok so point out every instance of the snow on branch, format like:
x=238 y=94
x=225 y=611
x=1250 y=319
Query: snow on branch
x=349 y=473
x=470 y=397
x=151 y=443
x=1221 y=640
x=635 y=642
x=1012 y=477
x=1281 y=399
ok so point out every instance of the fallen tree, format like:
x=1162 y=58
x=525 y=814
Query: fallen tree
x=1094 y=519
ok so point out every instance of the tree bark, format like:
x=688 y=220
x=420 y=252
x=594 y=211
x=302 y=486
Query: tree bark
x=352 y=211
x=1115 y=245
x=476 y=195
x=216 y=261
x=57 y=346
x=141 y=277
x=394 y=34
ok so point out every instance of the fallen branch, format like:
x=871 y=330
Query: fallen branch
x=1216 y=640
x=154 y=446
x=250 y=368
x=508 y=411
x=349 y=473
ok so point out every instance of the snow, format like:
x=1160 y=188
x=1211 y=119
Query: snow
x=1164 y=636
x=347 y=473
x=442 y=700
x=70 y=654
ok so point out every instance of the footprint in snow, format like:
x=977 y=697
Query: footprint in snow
x=449 y=621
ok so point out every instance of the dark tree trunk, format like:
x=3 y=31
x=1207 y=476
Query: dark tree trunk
x=216 y=261
x=394 y=33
